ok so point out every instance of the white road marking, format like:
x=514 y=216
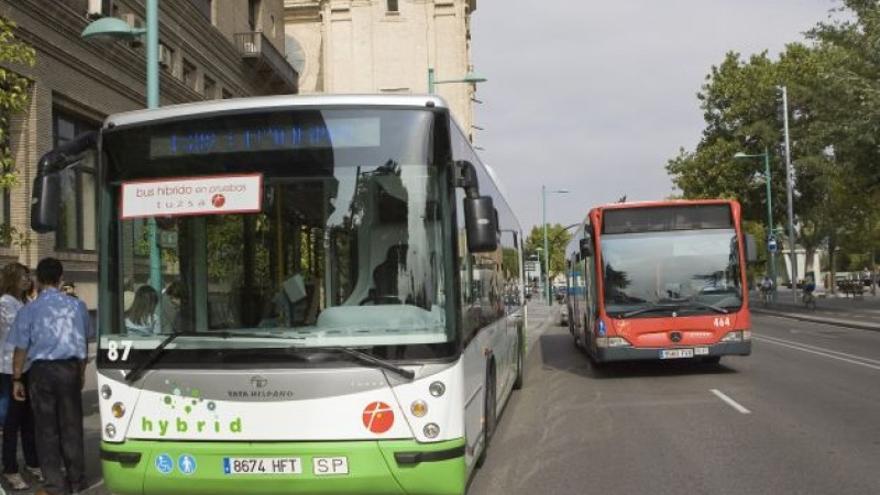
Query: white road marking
x=732 y=403
x=96 y=485
x=820 y=351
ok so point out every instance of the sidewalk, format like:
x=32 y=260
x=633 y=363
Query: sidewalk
x=862 y=313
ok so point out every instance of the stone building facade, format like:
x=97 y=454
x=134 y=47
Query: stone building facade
x=208 y=49
x=383 y=46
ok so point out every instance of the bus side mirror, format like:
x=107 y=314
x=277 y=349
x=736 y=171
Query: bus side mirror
x=46 y=192
x=481 y=224
x=45 y=202
x=751 y=249
x=586 y=248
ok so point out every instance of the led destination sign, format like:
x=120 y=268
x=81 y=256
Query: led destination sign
x=328 y=133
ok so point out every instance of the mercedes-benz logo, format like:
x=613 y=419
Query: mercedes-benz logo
x=259 y=381
x=675 y=336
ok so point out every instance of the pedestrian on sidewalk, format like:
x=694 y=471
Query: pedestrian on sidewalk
x=50 y=336
x=15 y=283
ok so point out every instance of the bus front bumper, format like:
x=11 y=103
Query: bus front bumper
x=643 y=354
x=138 y=467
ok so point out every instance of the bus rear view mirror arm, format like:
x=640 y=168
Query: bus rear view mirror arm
x=46 y=192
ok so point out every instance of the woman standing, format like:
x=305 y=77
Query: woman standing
x=15 y=284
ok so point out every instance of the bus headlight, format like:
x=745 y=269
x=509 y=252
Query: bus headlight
x=106 y=392
x=437 y=389
x=736 y=336
x=110 y=430
x=611 y=342
x=419 y=408
x=118 y=410
x=431 y=430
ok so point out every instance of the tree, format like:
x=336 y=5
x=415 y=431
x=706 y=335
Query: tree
x=557 y=240
x=13 y=99
x=834 y=168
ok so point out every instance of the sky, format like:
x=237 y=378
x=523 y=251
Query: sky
x=595 y=96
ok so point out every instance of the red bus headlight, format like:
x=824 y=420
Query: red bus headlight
x=612 y=342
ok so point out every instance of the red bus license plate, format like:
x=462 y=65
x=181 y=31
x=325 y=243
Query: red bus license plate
x=676 y=353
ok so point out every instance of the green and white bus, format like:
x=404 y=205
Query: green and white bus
x=298 y=294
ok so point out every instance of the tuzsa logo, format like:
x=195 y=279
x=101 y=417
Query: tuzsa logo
x=180 y=425
x=378 y=417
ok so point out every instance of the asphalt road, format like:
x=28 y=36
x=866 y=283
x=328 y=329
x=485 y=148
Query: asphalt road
x=811 y=392
x=803 y=417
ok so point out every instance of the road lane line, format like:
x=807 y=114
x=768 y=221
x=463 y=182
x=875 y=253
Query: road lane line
x=732 y=403
x=96 y=485
x=777 y=340
x=824 y=354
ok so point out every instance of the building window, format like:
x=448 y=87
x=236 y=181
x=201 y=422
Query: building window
x=272 y=27
x=77 y=230
x=166 y=57
x=210 y=88
x=254 y=14
x=189 y=75
x=392 y=6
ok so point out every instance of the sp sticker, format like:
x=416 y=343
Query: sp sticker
x=378 y=417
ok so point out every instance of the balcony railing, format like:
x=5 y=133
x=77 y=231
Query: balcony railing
x=259 y=51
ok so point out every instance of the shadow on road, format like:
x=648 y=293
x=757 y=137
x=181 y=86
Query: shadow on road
x=90 y=402
x=558 y=352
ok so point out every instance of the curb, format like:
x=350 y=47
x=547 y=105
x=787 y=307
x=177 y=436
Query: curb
x=819 y=319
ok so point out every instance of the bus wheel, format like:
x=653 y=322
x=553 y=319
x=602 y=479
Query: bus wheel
x=518 y=382
x=712 y=359
x=489 y=414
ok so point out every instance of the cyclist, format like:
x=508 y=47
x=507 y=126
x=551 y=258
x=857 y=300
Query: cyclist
x=809 y=288
x=766 y=289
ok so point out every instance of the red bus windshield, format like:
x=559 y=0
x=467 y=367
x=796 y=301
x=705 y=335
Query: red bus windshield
x=671 y=258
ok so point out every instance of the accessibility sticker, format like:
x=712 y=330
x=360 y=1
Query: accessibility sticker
x=186 y=463
x=164 y=463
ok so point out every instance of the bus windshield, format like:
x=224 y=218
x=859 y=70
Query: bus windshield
x=339 y=241
x=690 y=271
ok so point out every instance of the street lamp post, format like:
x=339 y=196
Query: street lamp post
x=772 y=253
x=115 y=29
x=546 y=250
x=470 y=78
x=788 y=179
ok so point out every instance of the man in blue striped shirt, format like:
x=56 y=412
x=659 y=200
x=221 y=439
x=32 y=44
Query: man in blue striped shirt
x=50 y=338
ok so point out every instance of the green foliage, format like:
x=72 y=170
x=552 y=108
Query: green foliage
x=13 y=98
x=834 y=115
x=557 y=239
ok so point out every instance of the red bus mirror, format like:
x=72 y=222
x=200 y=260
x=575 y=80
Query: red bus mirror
x=586 y=248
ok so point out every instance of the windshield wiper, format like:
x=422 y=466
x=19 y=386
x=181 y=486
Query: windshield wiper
x=363 y=357
x=651 y=309
x=154 y=356
x=713 y=307
x=675 y=307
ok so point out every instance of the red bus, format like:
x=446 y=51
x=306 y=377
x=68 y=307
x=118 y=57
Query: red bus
x=660 y=280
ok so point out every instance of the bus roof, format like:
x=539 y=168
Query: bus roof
x=267 y=102
x=668 y=202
